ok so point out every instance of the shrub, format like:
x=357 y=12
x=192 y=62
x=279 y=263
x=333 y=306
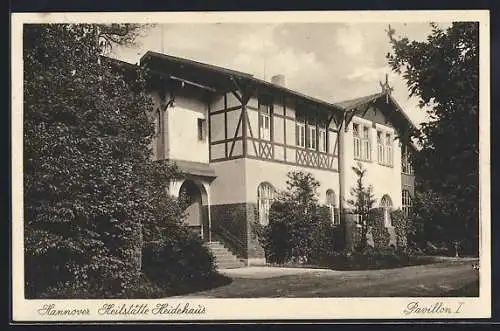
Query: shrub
x=93 y=195
x=403 y=226
x=179 y=260
x=299 y=230
x=371 y=258
x=381 y=236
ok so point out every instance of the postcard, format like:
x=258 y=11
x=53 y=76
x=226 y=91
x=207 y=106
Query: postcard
x=250 y=166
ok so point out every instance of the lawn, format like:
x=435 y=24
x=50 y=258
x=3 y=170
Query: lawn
x=469 y=290
x=448 y=278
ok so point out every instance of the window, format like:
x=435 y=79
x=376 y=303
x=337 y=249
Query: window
x=311 y=137
x=362 y=147
x=406 y=166
x=380 y=148
x=331 y=202
x=322 y=140
x=386 y=204
x=201 y=128
x=358 y=220
x=265 y=195
x=407 y=203
x=300 y=133
x=388 y=149
x=265 y=121
x=357 y=141
x=384 y=148
x=366 y=144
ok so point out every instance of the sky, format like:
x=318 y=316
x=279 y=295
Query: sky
x=329 y=61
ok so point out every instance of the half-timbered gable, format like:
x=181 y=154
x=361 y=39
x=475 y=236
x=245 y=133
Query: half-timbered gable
x=378 y=130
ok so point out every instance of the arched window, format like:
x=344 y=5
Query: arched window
x=386 y=203
x=331 y=203
x=265 y=195
x=407 y=202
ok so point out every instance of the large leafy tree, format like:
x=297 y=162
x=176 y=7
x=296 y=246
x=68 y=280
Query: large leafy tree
x=443 y=71
x=92 y=193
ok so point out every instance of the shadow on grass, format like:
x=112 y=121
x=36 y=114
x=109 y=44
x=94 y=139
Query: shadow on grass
x=469 y=290
x=151 y=290
x=217 y=280
x=363 y=265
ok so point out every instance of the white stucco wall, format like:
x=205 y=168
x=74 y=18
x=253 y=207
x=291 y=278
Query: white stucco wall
x=229 y=185
x=385 y=179
x=183 y=143
x=258 y=171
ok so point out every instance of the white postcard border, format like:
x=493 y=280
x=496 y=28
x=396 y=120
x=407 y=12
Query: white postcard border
x=252 y=309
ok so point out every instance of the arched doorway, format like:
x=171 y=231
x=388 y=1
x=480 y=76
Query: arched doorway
x=193 y=196
x=386 y=204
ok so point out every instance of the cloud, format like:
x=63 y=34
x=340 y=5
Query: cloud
x=350 y=40
x=368 y=73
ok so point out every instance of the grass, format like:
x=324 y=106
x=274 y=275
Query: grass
x=148 y=289
x=448 y=278
x=469 y=290
x=361 y=265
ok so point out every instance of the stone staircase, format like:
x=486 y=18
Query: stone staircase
x=224 y=258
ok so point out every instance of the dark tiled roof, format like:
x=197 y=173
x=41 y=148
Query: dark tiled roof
x=339 y=106
x=189 y=62
x=353 y=103
x=194 y=168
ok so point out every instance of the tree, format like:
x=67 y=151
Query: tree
x=93 y=195
x=362 y=200
x=443 y=72
x=302 y=188
x=299 y=228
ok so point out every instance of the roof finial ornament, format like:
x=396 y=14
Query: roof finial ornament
x=386 y=88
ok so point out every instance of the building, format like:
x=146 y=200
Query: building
x=235 y=137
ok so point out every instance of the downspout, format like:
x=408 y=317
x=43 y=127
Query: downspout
x=165 y=140
x=342 y=176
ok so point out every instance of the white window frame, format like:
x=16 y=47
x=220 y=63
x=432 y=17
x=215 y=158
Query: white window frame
x=358 y=219
x=362 y=142
x=386 y=204
x=385 y=148
x=322 y=145
x=311 y=135
x=201 y=126
x=265 y=122
x=300 y=134
x=357 y=140
x=265 y=197
x=331 y=203
x=388 y=149
x=407 y=202
x=365 y=144
x=406 y=166
x=380 y=147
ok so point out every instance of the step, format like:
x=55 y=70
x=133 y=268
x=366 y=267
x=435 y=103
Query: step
x=224 y=258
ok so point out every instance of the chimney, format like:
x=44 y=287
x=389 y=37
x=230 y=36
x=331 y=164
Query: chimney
x=279 y=80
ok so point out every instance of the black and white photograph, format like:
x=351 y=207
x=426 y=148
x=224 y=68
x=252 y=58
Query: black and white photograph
x=169 y=163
